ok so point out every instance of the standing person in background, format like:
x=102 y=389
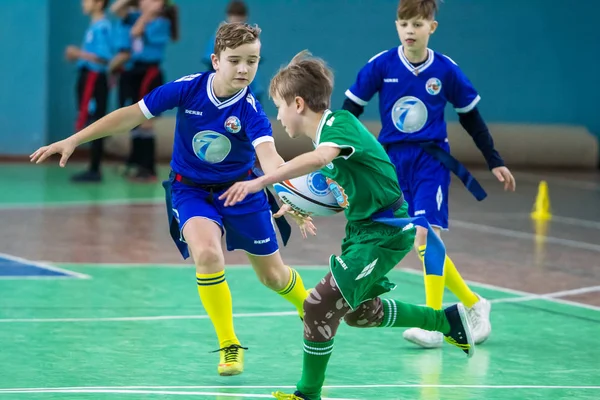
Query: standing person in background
x=92 y=85
x=152 y=26
x=121 y=65
x=236 y=11
x=414 y=84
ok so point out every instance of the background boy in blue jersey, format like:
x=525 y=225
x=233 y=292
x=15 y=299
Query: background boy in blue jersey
x=151 y=27
x=220 y=130
x=236 y=11
x=414 y=85
x=92 y=85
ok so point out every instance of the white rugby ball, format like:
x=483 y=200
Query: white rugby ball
x=309 y=194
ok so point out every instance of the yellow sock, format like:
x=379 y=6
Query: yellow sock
x=294 y=291
x=216 y=299
x=434 y=285
x=457 y=285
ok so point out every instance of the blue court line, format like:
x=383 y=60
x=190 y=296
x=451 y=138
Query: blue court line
x=12 y=267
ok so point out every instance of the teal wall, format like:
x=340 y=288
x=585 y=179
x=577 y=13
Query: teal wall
x=533 y=61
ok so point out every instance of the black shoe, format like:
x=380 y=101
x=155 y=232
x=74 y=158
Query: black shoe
x=87 y=176
x=460 y=331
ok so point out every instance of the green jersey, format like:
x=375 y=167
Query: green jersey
x=362 y=177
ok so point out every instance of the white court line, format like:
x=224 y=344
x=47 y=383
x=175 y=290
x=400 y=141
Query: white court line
x=82 y=203
x=575 y=222
x=156 y=392
x=517 y=292
x=536 y=178
x=149 y=318
x=524 y=235
x=272 y=387
x=43 y=265
x=547 y=296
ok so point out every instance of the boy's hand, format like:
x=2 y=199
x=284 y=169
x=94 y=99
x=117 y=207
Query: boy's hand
x=72 y=53
x=64 y=147
x=304 y=221
x=503 y=174
x=239 y=190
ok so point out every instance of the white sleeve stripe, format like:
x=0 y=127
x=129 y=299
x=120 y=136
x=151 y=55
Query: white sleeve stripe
x=469 y=107
x=262 y=139
x=144 y=109
x=355 y=98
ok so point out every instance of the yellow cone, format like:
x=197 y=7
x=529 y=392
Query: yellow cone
x=541 y=208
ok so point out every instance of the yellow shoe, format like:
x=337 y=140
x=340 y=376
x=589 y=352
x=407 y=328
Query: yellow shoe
x=232 y=360
x=285 y=396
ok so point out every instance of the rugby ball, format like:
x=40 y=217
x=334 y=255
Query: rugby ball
x=309 y=194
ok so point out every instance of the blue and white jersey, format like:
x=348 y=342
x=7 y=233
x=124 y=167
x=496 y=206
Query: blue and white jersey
x=214 y=139
x=412 y=99
x=97 y=41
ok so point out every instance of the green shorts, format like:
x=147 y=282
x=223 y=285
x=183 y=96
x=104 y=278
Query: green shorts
x=369 y=251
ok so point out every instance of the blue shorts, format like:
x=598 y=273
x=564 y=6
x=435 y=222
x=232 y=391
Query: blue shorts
x=424 y=181
x=247 y=226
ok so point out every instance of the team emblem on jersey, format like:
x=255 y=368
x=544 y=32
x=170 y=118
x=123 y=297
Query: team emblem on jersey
x=433 y=86
x=317 y=184
x=211 y=147
x=409 y=114
x=338 y=192
x=233 y=124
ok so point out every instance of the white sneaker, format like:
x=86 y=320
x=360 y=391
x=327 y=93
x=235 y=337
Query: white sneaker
x=423 y=338
x=479 y=318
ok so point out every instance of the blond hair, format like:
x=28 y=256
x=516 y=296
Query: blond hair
x=235 y=34
x=307 y=77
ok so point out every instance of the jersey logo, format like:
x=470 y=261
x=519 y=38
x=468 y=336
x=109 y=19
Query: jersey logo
x=439 y=197
x=233 y=124
x=409 y=114
x=188 y=78
x=330 y=121
x=250 y=99
x=367 y=270
x=433 y=86
x=317 y=184
x=211 y=147
x=338 y=192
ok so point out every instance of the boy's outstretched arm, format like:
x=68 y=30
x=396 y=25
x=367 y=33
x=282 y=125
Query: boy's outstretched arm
x=476 y=127
x=298 y=166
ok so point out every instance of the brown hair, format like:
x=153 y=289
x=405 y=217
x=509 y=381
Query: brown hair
x=237 y=8
x=171 y=12
x=235 y=34
x=426 y=9
x=307 y=77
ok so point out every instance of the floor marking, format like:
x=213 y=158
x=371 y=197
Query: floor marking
x=148 y=318
x=43 y=265
x=154 y=389
x=516 y=292
x=523 y=235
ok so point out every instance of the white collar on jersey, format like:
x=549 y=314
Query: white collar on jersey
x=420 y=68
x=213 y=98
x=326 y=114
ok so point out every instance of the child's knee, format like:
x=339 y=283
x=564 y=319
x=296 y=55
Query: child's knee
x=369 y=314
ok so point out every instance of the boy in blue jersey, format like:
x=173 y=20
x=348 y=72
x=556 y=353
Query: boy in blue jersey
x=150 y=28
x=414 y=85
x=220 y=130
x=92 y=84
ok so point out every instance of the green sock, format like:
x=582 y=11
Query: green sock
x=399 y=314
x=316 y=357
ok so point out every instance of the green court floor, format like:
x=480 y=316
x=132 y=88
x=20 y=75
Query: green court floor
x=138 y=332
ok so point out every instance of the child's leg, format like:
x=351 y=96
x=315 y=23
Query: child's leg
x=254 y=233
x=323 y=310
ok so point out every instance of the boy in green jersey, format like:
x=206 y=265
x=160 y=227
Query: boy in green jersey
x=379 y=232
